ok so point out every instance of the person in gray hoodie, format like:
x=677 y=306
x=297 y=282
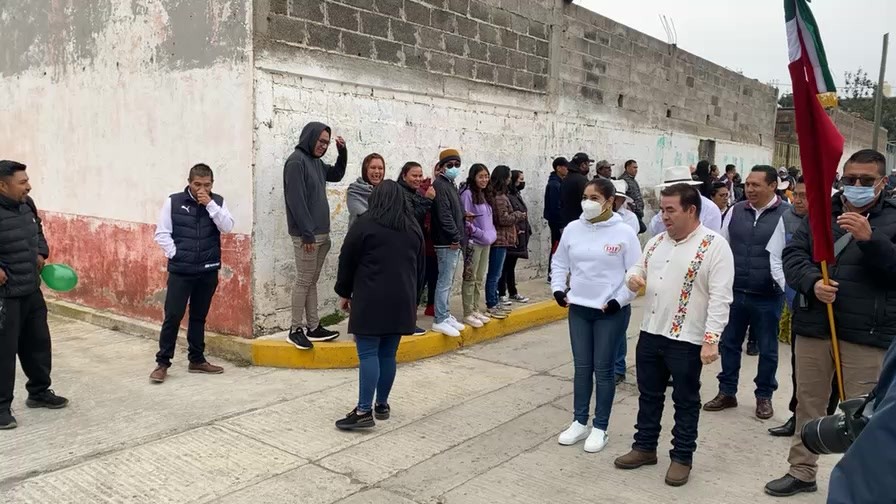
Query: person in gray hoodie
x=308 y=218
x=373 y=171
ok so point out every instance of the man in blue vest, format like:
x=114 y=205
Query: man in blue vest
x=750 y=227
x=189 y=233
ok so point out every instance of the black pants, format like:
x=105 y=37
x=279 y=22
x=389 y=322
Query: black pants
x=833 y=402
x=507 y=282
x=24 y=331
x=656 y=359
x=556 y=232
x=198 y=290
x=432 y=277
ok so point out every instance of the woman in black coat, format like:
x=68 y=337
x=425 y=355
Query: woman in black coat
x=507 y=283
x=380 y=269
x=420 y=193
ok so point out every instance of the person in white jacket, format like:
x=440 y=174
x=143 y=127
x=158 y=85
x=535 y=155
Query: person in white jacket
x=594 y=253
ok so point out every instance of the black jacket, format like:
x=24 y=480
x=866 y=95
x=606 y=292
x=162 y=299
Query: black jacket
x=447 y=214
x=305 y=180
x=21 y=241
x=552 y=209
x=197 y=239
x=524 y=230
x=418 y=204
x=865 y=308
x=571 y=191
x=380 y=270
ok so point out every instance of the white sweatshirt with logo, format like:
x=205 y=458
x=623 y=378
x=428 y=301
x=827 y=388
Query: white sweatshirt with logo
x=595 y=257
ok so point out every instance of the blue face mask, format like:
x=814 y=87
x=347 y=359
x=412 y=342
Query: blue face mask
x=859 y=196
x=452 y=173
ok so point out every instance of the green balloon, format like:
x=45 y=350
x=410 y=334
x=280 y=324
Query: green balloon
x=59 y=277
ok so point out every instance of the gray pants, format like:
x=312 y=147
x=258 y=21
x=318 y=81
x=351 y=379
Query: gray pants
x=304 y=292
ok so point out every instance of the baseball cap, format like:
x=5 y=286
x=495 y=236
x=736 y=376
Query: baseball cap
x=581 y=157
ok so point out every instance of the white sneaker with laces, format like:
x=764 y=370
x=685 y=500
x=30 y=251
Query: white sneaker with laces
x=455 y=324
x=446 y=329
x=596 y=441
x=472 y=321
x=482 y=318
x=575 y=433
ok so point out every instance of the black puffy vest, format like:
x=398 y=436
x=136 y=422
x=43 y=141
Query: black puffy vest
x=196 y=237
x=748 y=238
x=19 y=246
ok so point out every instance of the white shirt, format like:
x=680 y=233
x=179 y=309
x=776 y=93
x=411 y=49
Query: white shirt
x=629 y=218
x=596 y=258
x=689 y=285
x=220 y=216
x=775 y=245
x=710 y=216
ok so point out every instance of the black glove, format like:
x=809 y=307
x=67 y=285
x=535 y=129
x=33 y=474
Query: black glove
x=561 y=299
x=612 y=307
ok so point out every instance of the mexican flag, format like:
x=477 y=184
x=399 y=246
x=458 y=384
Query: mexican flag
x=821 y=145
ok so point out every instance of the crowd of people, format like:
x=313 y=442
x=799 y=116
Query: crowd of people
x=726 y=261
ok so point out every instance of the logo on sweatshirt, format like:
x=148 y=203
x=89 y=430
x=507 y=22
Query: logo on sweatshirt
x=613 y=249
x=185 y=207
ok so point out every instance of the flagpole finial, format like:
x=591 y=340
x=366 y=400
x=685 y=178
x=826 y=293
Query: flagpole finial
x=828 y=100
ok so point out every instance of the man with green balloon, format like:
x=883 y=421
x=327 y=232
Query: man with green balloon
x=23 y=313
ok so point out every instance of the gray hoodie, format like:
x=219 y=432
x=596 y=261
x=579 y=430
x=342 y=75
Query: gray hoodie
x=305 y=180
x=356 y=199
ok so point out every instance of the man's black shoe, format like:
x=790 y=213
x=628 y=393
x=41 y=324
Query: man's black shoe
x=298 y=339
x=620 y=378
x=786 y=430
x=354 y=421
x=322 y=334
x=788 y=486
x=752 y=348
x=46 y=399
x=7 y=421
x=382 y=411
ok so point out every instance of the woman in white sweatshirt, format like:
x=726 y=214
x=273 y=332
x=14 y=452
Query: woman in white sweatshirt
x=594 y=252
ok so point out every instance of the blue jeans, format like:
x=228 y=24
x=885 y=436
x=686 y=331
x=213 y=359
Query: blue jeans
x=496 y=258
x=657 y=358
x=376 y=371
x=447 y=266
x=762 y=314
x=594 y=337
x=622 y=348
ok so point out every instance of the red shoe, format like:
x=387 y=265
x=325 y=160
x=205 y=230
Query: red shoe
x=430 y=311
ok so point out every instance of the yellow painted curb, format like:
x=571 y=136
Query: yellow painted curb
x=272 y=353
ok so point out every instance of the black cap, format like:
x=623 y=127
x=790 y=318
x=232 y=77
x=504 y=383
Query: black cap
x=560 y=161
x=581 y=157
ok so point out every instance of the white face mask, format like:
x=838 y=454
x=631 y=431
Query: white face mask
x=592 y=209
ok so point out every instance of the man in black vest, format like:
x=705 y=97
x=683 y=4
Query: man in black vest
x=755 y=231
x=23 y=312
x=189 y=232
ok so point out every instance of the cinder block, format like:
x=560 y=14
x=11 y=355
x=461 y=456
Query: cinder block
x=356 y=44
x=489 y=34
x=464 y=68
x=374 y=24
x=341 y=16
x=402 y=31
x=497 y=55
x=430 y=39
x=280 y=7
x=504 y=76
x=517 y=60
x=542 y=49
x=414 y=58
x=540 y=83
x=323 y=37
x=501 y=18
x=485 y=72
x=361 y=4
x=523 y=79
x=536 y=65
x=389 y=7
x=389 y=52
x=480 y=11
x=288 y=29
x=538 y=30
x=527 y=44
x=440 y=63
x=302 y=9
x=455 y=44
x=417 y=13
x=508 y=38
x=519 y=24
x=467 y=27
x=477 y=50
x=461 y=7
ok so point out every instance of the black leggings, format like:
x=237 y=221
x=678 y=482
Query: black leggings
x=507 y=282
x=432 y=276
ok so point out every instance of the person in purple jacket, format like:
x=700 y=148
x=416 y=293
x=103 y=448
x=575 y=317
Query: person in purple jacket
x=481 y=234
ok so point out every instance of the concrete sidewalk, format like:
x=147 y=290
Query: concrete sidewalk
x=474 y=426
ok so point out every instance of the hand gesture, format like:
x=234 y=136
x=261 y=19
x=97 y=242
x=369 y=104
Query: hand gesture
x=709 y=353
x=454 y=246
x=309 y=248
x=340 y=143
x=345 y=304
x=40 y=263
x=202 y=197
x=430 y=193
x=469 y=217
x=636 y=283
x=827 y=294
x=856 y=224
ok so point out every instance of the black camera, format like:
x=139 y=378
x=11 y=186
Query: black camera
x=836 y=433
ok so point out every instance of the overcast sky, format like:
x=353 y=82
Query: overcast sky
x=749 y=36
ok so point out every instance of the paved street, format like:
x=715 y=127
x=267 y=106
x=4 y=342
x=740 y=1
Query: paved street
x=478 y=426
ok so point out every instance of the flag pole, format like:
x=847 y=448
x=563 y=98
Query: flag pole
x=834 y=344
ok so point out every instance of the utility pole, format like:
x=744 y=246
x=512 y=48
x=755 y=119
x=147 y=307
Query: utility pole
x=879 y=93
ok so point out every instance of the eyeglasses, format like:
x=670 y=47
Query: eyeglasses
x=451 y=165
x=865 y=180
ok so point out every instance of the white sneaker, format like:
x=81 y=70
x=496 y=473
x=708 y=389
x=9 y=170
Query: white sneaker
x=446 y=329
x=575 y=433
x=482 y=318
x=596 y=441
x=454 y=323
x=504 y=301
x=473 y=321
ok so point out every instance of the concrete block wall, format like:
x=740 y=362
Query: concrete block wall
x=857 y=132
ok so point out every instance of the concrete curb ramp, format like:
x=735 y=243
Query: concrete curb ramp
x=341 y=354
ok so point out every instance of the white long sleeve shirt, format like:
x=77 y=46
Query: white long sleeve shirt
x=219 y=214
x=710 y=216
x=596 y=257
x=689 y=285
x=775 y=245
x=629 y=218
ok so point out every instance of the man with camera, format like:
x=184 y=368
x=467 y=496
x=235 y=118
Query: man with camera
x=863 y=294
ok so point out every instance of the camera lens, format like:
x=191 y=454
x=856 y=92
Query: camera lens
x=826 y=435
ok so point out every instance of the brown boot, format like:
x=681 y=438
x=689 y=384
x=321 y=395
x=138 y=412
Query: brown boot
x=764 y=409
x=205 y=368
x=635 y=459
x=159 y=374
x=720 y=402
x=678 y=474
